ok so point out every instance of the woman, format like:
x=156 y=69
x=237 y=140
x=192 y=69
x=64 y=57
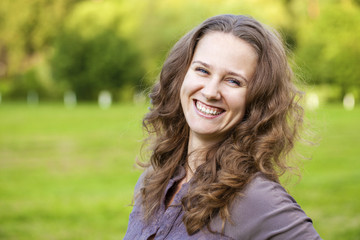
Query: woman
x=224 y=118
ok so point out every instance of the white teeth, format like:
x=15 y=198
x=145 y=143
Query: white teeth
x=206 y=110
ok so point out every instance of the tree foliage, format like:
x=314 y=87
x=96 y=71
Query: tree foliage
x=91 y=54
x=90 y=45
x=27 y=29
x=328 y=45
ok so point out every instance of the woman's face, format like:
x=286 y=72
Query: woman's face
x=214 y=88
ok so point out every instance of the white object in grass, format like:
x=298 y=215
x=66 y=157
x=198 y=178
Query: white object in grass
x=349 y=101
x=70 y=100
x=105 y=99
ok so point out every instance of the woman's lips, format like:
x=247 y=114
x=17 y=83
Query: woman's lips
x=206 y=110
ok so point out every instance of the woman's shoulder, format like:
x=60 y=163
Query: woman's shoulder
x=261 y=199
x=266 y=210
x=265 y=194
x=140 y=184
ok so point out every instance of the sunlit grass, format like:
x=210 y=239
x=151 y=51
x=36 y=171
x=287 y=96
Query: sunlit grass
x=69 y=173
x=330 y=185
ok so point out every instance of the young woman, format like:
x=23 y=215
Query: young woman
x=224 y=117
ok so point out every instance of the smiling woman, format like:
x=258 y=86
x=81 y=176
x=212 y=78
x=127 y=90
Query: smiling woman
x=225 y=116
x=214 y=88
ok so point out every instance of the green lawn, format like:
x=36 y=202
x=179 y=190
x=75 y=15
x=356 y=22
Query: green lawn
x=69 y=173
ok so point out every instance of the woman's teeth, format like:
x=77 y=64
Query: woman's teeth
x=208 y=110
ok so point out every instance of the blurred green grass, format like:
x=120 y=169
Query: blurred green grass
x=69 y=173
x=330 y=186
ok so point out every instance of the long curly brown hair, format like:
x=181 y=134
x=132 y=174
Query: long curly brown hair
x=261 y=142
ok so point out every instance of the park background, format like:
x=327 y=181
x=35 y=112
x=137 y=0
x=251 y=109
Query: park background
x=74 y=77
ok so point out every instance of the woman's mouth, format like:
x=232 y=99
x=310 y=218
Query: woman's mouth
x=207 y=110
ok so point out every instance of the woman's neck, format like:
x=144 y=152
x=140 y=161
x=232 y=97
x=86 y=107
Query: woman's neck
x=196 y=153
x=198 y=142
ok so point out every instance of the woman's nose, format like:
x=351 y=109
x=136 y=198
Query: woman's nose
x=211 y=90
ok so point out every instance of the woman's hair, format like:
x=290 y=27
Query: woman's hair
x=261 y=142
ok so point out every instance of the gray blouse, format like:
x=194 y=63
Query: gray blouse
x=266 y=211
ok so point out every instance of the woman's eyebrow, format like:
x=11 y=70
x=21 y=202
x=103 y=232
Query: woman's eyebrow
x=202 y=63
x=238 y=75
x=228 y=72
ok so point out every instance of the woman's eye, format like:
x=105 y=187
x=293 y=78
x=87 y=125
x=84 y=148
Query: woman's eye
x=202 y=70
x=235 y=82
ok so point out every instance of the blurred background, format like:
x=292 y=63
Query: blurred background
x=73 y=82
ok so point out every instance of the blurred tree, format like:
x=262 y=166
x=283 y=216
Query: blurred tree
x=105 y=44
x=328 y=45
x=27 y=30
x=92 y=53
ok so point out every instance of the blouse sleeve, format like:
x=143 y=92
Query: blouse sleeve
x=267 y=211
x=135 y=223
